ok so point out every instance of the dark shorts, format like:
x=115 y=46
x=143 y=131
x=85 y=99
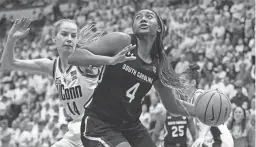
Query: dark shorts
x=97 y=133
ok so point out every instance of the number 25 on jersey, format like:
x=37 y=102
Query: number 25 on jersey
x=178 y=131
x=130 y=93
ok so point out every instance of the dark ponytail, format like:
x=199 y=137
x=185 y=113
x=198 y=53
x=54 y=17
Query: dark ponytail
x=166 y=73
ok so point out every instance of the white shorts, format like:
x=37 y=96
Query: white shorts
x=72 y=138
x=227 y=140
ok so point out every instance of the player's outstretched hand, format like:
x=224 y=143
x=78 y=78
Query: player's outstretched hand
x=123 y=55
x=20 y=28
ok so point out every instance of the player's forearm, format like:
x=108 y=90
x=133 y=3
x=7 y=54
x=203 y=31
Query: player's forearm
x=7 y=56
x=172 y=104
x=205 y=132
x=82 y=57
x=185 y=108
x=192 y=128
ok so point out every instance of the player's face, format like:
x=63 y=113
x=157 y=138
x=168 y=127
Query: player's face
x=145 y=23
x=66 y=37
x=238 y=114
x=190 y=86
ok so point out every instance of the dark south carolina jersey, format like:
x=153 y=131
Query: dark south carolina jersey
x=117 y=99
x=176 y=128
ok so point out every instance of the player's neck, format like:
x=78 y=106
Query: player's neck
x=64 y=63
x=145 y=45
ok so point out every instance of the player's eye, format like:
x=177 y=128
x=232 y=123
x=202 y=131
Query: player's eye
x=150 y=16
x=64 y=34
x=73 y=35
x=138 y=17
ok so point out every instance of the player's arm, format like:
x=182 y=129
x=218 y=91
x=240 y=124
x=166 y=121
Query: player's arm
x=192 y=128
x=20 y=29
x=107 y=50
x=200 y=140
x=172 y=104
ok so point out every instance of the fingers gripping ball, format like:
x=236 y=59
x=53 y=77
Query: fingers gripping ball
x=213 y=108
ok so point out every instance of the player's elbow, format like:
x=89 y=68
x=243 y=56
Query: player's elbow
x=173 y=110
x=125 y=38
x=79 y=58
x=176 y=109
x=72 y=59
x=121 y=40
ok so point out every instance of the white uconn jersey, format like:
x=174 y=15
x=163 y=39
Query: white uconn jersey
x=75 y=87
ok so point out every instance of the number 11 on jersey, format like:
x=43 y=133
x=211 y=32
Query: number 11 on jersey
x=130 y=93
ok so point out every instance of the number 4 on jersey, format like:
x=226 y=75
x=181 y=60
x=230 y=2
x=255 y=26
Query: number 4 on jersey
x=130 y=93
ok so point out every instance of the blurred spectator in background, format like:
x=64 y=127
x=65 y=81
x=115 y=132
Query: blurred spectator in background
x=239 y=127
x=6 y=134
x=251 y=133
x=240 y=99
x=181 y=64
x=145 y=116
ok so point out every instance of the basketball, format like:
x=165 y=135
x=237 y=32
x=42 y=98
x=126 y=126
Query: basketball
x=213 y=108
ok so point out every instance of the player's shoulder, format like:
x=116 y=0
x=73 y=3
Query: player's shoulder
x=199 y=91
x=196 y=94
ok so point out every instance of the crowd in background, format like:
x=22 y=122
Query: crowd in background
x=218 y=35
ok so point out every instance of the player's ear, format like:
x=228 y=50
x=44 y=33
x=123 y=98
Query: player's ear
x=159 y=29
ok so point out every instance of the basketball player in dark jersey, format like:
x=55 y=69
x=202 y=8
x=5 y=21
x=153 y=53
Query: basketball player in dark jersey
x=111 y=118
x=177 y=126
x=171 y=131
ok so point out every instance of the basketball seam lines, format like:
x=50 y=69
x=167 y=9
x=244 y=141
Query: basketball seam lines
x=201 y=96
x=220 y=109
x=226 y=98
x=228 y=102
x=207 y=107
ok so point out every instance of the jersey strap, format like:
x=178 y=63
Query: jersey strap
x=54 y=68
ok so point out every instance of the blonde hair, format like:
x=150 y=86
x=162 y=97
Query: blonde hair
x=88 y=34
x=60 y=22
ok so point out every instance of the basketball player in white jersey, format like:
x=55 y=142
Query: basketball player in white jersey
x=75 y=85
x=208 y=136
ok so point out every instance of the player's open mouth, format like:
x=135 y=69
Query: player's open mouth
x=143 y=26
x=68 y=46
